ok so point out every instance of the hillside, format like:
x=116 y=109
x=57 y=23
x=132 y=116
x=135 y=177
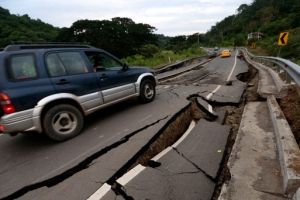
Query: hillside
x=23 y=28
x=269 y=17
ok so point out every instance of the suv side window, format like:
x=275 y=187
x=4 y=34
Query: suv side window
x=65 y=63
x=102 y=62
x=22 y=67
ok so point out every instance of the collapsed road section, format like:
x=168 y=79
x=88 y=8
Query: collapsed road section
x=197 y=167
x=181 y=161
x=193 y=102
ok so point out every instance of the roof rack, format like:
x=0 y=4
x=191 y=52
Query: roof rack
x=29 y=42
x=16 y=45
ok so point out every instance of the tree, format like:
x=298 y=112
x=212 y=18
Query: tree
x=120 y=36
x=148 y=50
x=266 y=15
x=177 y=43
x=23 y=28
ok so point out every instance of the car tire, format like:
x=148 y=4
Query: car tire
x=147 y=91
x=62 y=122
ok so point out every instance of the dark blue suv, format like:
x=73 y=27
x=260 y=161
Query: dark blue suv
x=51 y=87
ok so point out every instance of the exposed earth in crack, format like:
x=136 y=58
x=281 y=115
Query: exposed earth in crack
x=234 y=112
x=289 y=104
x=179 y=123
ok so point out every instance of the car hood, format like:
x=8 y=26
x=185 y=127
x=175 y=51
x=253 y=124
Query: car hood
x=142 y=69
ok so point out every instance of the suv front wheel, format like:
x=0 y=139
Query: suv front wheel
x=147 y=91
x=62 y=122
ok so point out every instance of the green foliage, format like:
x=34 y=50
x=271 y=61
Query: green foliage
x=149 y=50
x=162 y=40
x=164 y=56
x=120 y=36
x=181 y=42
x=23 y=28
x=269 y=17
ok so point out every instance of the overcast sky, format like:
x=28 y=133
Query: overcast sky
x=169 y=17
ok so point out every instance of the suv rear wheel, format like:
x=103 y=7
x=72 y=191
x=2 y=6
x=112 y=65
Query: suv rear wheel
x=147 y=91
x=62 y=122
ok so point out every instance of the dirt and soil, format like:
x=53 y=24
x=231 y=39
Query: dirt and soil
x=289 y=104
x=234 y=112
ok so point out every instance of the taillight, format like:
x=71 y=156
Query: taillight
x=6 y=104
x=1 y=128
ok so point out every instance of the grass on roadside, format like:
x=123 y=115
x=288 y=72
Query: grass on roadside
x=163 y=57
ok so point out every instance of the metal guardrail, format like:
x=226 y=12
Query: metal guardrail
x=292 y=68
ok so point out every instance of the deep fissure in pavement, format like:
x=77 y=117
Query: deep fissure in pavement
x=166 y=137
x=120 y=190
x=233 y=119
x=81 y=166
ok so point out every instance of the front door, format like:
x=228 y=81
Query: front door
x=115 y=81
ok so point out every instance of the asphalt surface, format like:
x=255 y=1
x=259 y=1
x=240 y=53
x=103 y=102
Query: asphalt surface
x=33 y=167
x=189 y=170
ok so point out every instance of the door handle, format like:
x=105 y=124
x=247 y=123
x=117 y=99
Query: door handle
x=62 y=82
x=103 y=76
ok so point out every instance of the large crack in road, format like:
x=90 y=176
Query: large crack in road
x=168 y=135
x=78 y=168
x=195 y=112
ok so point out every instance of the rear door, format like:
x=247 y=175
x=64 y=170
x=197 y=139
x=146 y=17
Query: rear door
x=23 y=80
x=69 y=74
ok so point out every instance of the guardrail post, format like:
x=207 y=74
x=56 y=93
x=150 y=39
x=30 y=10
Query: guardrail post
x=278 y=68
x=288 y=78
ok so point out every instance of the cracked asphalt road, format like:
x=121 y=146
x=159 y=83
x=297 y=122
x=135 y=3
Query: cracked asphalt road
x=32 y=167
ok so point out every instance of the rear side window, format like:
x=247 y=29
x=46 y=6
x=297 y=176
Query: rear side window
x=65 y=63
x=22 y=67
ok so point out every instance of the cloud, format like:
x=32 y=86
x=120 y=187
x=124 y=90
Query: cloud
x=176 y=17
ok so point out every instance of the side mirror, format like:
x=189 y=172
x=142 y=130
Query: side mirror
x=125 y=67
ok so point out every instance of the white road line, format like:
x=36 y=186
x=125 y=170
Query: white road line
x=105 y=188
x=100 y=192
x=138 y=169
x=161 y=154
x=210 y=94
x=219 y=86
x=192 y=125
x=145 y=118
x=233 y=66
x=131 y=174
x=210 y=108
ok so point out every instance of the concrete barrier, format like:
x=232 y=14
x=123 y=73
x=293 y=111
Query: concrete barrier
x=289 y=153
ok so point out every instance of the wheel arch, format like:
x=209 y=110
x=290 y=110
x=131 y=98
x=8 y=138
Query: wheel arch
x=45 y=104
x=143 y=77
x=68 y=101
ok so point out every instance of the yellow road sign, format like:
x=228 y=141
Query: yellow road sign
x=283 y=38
